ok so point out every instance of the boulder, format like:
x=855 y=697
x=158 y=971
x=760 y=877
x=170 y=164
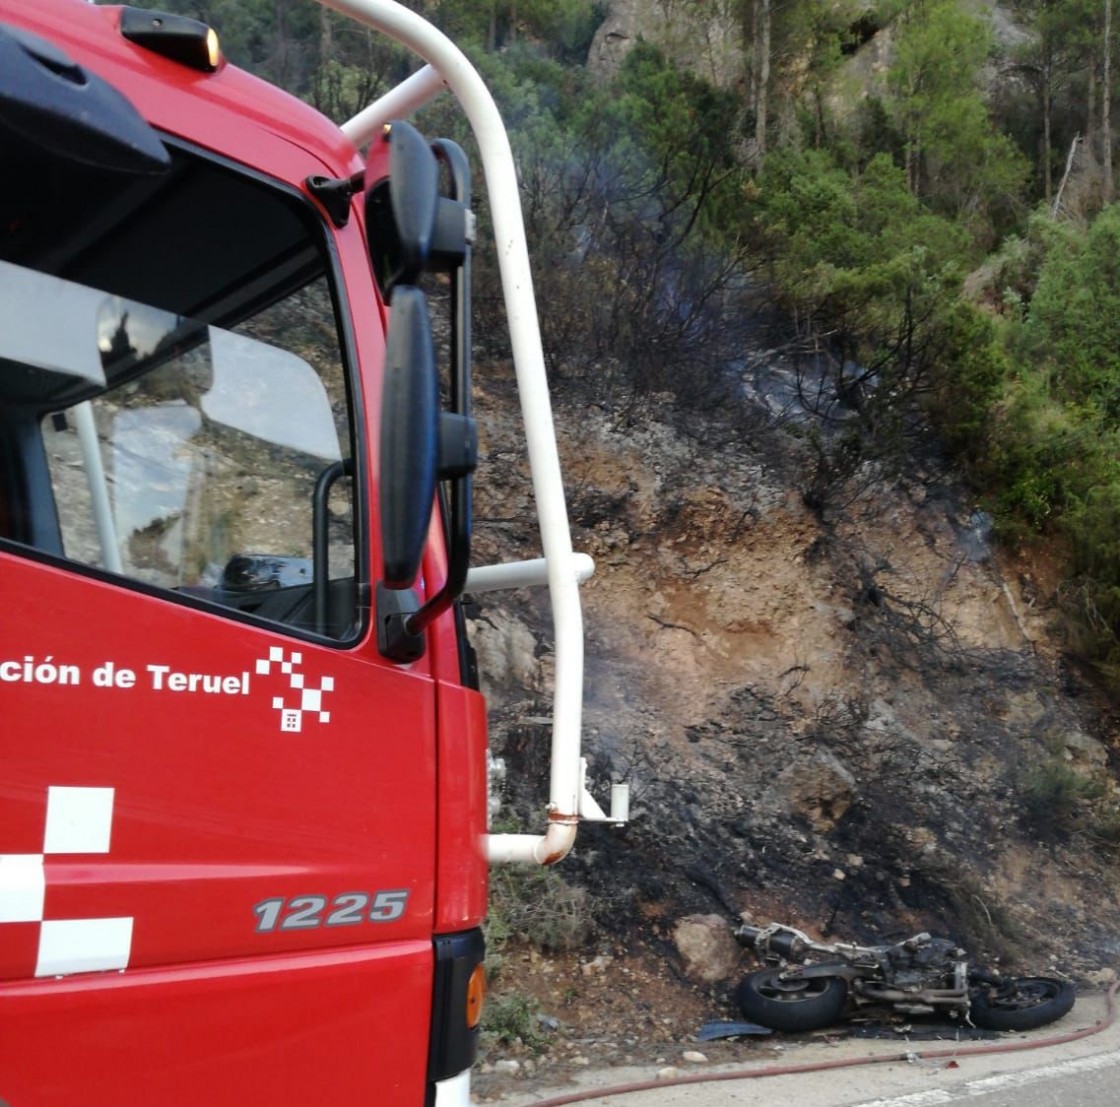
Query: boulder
x=707 y=947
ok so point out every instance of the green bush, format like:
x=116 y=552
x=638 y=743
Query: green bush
x=535 y=906
x=511 y=1019
x=1053 y=794
x=1036 y=447
x=1073 y=328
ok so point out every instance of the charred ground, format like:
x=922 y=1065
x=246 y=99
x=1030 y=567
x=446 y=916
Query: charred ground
x=859 y=722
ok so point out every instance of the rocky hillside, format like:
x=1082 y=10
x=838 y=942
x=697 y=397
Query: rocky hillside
x=861 y=727
x=711 y=39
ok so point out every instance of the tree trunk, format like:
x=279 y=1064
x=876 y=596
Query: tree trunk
x=326 y=37
x=763 y=70
x=1106 y=101
x=322 y=94
x=752 y=88
x=1047 y=113
x=1091 y=106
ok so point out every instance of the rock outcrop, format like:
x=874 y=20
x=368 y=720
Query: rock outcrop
x=706 y=38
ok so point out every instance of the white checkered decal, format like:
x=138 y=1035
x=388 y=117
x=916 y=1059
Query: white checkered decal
x=78 y=821
x=309 y=700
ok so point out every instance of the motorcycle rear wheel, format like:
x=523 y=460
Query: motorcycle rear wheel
x=1021 y=1003
x=791 y=1003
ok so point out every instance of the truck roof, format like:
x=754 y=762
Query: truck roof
x=220 y=110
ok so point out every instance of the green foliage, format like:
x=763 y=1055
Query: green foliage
x=1035 y=444
x=1093 y=595
x=807 y=43
x=955 y=158
x=818 y=220
x=857 y=257
x=1054 y=795
x=535 y=906
x=510 y=1019
x=1074 y=326
x=687 y=129
x=1053 y=462
x=972 y=370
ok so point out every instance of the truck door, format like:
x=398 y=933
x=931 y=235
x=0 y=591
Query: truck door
x=217 y=816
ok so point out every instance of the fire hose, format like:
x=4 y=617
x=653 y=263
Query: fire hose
x=839 y=1063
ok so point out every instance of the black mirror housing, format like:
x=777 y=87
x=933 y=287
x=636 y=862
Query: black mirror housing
x=401 y=211
x=410 y=437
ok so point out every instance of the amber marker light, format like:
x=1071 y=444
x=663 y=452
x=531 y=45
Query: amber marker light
x=476 y=996
x=187 y=41
x=213 y=48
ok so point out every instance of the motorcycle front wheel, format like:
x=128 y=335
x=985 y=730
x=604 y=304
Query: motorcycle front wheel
x=1020 y=1004
x=791 y=1002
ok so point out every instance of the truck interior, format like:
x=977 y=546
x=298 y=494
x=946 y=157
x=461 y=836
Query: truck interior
x=195 y=326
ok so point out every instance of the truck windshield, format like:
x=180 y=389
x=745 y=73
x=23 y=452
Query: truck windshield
x=181 y=416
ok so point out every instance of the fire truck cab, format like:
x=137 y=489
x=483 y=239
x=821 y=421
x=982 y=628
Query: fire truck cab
x=243 y=829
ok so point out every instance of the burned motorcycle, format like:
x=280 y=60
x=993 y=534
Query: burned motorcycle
x=808 y=984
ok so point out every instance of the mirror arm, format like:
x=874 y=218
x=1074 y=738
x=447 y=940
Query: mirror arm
x=395 y=641
x=335 y=194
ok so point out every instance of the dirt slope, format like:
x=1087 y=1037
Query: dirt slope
x=849 y=726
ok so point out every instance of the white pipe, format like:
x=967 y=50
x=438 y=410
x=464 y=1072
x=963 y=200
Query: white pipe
x=536 y=406
x=522 y=574
x=531 y=849
x=398 y=103
x=98 y=486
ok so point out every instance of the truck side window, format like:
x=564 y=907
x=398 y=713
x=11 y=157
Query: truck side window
x=174 y=405
x=210 y=460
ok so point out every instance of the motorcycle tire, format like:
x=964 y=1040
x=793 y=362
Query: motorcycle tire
x=791 y=1003
x=1021 y=1003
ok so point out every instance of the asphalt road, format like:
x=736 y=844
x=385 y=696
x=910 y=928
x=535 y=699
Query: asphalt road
x=1084 y=1073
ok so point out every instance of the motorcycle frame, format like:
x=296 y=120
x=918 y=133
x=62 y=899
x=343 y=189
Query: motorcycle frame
x=854 y=964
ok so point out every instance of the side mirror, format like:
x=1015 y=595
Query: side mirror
x=410 y=425
x=401 y=211
x=413 y=229
x=58 y=107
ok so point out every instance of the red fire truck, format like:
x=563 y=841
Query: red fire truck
x=243 y=807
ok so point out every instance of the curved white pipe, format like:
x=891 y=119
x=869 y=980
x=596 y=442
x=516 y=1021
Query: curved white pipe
x=522 y=574
x=398 y=103
x=399 y=23
x=532 y=849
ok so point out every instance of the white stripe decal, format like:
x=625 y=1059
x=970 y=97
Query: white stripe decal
x=23 y=887
x=83 y=945
x=79 y=820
